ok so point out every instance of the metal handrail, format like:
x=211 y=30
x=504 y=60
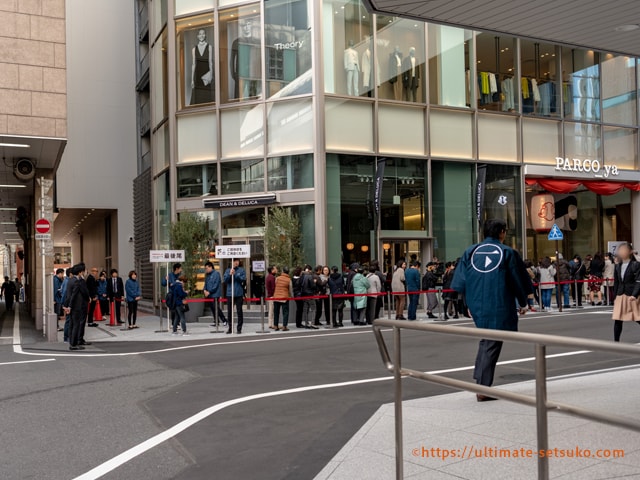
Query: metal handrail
x=540 y=401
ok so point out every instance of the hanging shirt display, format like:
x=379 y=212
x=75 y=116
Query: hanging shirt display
x=507 y=90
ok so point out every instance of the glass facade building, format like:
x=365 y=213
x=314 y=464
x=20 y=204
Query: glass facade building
x=319 y=101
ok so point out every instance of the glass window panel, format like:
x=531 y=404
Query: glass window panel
x=197 y=137
x=541 y=141
x=290 y=126
x=495 y=65
x=450 y=134
x=197 y=180
x=497 y=138
x=159 y=93
x=246 y=176
x=502 y=199
x=242 y=222
x=159 y=17
x=163 y=210
x=619 y=90
x=161 y=150
x=347 y=38
x=290 y=172
x=449 y=66
x=240 y=53
x=349 y=125
x=404 y=195
x=195 y=49
x=401 y=130
x=582 y=140
x=538 y=69
x=243 y=132
x=402 y=57
x=620 y=147
x=188 y=6
x=581 y=84
x=288 y=47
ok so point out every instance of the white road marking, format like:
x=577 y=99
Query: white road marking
x=16 y=341
x=29 y=361
x=180 y=427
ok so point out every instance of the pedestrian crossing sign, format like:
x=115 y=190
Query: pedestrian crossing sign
x=555 y=233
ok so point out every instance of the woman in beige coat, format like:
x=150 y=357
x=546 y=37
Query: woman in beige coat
x=398 y=285
x=626 y=285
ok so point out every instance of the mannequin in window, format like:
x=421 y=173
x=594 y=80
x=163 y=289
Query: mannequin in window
x=410 y=76
x=395 y=72
x=245 y=61
x=351 y=69
x=367 y=70
x=202 y=70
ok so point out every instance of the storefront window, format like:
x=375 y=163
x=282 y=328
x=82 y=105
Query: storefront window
x=288 y=49
x=619 y=90
x=308 y=223
x=582 y=140
x=242 y=222
x=240 y=54
x=197 y=180
x=196 y=60
x=404 y=195
x=290 y=172
x=620 y=147
x=348 y=50
x=163 y=210
x=189 y=6
x=454 y=223
x=502 y=199
x=197 y=137
x=161 y=147
x=581 y=84
x=539 y=70
x=402 y=57
x=449 y=66
x=496 y=73
x=246 y=176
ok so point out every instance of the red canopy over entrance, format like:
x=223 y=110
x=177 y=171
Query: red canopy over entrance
x=555 y=185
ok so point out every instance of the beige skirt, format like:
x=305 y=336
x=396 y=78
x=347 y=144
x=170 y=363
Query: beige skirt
x=626 y=309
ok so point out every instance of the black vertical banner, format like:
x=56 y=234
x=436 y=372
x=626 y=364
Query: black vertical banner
x=377 y=194
x=480 y=189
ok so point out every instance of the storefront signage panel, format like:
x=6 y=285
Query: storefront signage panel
x=578 y=165
x=240 y=202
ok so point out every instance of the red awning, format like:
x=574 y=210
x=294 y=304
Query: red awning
x=555 y=185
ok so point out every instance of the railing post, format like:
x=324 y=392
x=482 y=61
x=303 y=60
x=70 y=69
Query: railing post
x=541 y=410
x=397 y=382
x=331 y=319
x=389 y=304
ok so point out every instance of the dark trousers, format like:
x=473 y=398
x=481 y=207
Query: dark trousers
x=76 y=327
x=486 y=360
x=277 y=306
x=308 y=308
x=67 y=327
x=92 y=309
x=132 y=313
x=379 y=305
x=319 y=304
x=337 y=314
x=299 y=311
x=372 y=303
x=412 y=311
x=237 y=301
x=214 y=303
x=617 y=329
x=104 y=306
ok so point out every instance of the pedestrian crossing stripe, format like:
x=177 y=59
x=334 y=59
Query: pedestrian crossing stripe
x=555 y=233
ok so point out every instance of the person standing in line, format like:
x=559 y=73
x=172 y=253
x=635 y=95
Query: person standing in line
x=579 y=272
x=103 y=299
x=133 y=295
x=58 y=296
x=353 y=269
x=609 y=272
x=77 y=304
x=8 y=290
x=115 y=292
x=412 y=277
x=213 y=292
x=235 y=295
x=626 y=286
x=375 y=287
x=336 y=287
x=322 y=275
x=179 y=294
x=492 y=276
x=270 y=288
x=398 y=285
x=283 y=292
x=169 y=280
x=296 y=282
x=360 y=287
x=596 y=273
x=67 y=316
x=563 y=272
x=309 y=289
x=92 y=286
x=450 y=297
x=375 y=268
x=429 y=282
x=547 y=274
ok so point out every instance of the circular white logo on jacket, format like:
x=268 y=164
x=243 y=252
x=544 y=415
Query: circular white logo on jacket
x=486 y=258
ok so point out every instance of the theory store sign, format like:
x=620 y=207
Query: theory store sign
x=586 y=165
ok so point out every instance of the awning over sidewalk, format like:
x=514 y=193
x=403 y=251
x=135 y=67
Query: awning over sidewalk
x=567 y=186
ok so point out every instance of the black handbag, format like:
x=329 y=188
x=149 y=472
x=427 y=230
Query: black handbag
x=185 y=307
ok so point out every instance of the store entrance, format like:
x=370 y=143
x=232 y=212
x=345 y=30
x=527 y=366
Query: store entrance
x=407 y=250
x=254 y=266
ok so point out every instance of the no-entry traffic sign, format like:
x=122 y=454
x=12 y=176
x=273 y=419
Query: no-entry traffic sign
x=43 y=225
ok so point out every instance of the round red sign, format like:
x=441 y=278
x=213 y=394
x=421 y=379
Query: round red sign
x=43 y=225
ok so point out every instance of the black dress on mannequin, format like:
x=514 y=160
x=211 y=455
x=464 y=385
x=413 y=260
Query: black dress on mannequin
x=202 y=93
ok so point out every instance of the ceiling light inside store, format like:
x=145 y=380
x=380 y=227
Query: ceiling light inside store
x=15 y=145
x=627 y=28
x=13 y=186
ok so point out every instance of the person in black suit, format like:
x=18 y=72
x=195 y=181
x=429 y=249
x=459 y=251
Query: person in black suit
x=115 y=292
x=92 y=286
x=76 y=304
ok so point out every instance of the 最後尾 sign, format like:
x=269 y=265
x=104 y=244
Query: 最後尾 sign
x=166 y=256
x=586 y=165
x=233 y=251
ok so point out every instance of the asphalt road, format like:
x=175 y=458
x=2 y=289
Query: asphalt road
x=64 y=417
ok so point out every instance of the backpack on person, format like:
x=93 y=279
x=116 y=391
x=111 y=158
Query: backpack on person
x=170 y=300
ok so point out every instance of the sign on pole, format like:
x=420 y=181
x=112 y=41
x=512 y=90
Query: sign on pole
x=42 y=236
x=43 y=225
x=258 y=266
x=233 y=251
x=555 y=233
x=166 y=256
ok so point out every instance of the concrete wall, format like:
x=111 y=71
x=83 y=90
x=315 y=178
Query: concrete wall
x=32 y=68
x=99 y=163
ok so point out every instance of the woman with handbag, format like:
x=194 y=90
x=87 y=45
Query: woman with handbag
x=179 y=294
x=626 y=285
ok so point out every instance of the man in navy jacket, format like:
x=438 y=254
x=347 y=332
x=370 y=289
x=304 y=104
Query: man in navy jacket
x=494 y=280
x=213 y=291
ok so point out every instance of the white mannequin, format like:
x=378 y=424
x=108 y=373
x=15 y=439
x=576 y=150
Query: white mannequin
x=352 y=69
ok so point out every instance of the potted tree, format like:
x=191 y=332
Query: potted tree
x=191 y=233
x=283 y=237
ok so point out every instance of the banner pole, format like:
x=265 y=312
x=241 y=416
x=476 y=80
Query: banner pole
x=233 y=297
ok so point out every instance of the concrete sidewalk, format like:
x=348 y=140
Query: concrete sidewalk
x=464 y=427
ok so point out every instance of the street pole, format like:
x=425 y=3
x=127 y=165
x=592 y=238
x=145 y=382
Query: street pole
x=44 y=264
x=233 y=297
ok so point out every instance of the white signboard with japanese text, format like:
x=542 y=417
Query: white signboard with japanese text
x=166 y=256
x=233 y=251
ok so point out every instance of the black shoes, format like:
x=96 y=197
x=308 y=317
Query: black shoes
x=92 y=324
x=484 y=398
x=431 y=315
x=85 y=343
x=74 y=348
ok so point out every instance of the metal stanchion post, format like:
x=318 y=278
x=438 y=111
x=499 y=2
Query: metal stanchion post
x=126 y=315
x=440 y=305
x=541 y=410
x=331 y=319
x=389 y=304
x=262 y=315
x=559 y=298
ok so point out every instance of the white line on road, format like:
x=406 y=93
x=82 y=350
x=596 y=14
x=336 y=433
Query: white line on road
x=180 y=427
x=29 y=361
